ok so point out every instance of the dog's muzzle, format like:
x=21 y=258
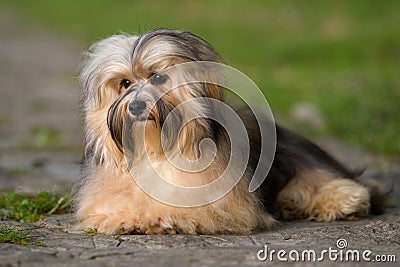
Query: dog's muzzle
x=137 y=107
x=141 y=103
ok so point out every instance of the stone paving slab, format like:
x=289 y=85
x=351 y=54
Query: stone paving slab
x=62 y=246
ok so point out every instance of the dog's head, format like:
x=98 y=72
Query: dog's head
x=133 y=82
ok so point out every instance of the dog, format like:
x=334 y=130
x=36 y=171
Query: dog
x=123 y=78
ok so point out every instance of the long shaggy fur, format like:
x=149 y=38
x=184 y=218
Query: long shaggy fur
x=304 y=182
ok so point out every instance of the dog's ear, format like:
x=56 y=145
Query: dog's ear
x=171 y=127
x=214 y=91
x=115 y=122
x=214 y=80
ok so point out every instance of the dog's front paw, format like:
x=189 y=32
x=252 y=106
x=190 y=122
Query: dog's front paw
x=109 y=224
x=155 y=226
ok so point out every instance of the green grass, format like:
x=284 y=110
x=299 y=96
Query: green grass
x=31 y=207
x=340 y=56
x=91 y=232
x=43 y=137
x=16 y=236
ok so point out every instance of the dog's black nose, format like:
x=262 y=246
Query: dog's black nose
x=137 y=107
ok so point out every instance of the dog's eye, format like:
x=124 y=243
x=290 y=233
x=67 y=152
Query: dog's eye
x=125 y=83
x=158 y=79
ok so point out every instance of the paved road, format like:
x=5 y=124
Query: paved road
x=64 y=247
x=37 y=92
x=38 y=102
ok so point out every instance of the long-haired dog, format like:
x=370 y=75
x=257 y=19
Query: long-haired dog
x=123 y=83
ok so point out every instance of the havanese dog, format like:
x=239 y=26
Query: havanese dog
x=131 y=88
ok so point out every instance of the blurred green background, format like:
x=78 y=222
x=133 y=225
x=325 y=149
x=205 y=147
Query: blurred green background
x=339 y=59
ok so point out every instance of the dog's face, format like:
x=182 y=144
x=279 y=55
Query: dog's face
x=131 y=83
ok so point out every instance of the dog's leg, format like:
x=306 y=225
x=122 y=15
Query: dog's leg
x=117 y=223
x=307 y=183
x=105 y=201
x=318 y=195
